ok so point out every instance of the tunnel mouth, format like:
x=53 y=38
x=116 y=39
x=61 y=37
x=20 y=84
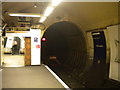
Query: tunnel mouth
x=64 y=49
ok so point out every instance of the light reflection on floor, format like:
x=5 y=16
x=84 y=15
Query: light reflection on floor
x=13 y=61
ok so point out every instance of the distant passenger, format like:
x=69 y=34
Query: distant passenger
x=14 y=47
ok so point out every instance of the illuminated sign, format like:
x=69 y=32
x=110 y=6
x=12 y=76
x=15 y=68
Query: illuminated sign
x=17 y=29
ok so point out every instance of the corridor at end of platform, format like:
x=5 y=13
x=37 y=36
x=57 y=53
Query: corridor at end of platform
x=29 y=77
x=13 y=60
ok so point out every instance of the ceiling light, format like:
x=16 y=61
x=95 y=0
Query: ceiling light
x=25 y=14
x=48 y=11
x=56 y=2
x=42 y=19
x=35 y=5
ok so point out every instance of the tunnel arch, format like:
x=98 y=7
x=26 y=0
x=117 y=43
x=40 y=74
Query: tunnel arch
x=66 y=41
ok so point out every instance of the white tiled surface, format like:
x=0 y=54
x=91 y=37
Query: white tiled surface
x=13 y=61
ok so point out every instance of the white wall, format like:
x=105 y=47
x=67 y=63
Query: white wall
x=22 y=42
x=35 y=46
x=113 y=40
x=20 y=35
x=9 y=42
x=35 y=51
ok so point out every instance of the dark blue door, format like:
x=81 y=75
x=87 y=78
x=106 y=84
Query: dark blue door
x=98 y=71
x=99 y=47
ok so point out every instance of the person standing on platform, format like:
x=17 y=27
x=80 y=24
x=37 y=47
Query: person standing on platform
x=14 y=47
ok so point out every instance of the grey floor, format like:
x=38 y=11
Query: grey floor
x=28 y=77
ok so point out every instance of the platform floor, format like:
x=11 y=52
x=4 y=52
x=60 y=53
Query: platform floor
x=29 y=77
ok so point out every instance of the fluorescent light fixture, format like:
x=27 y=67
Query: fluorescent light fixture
x=42 y=19
x=56 y=2
x=25 y=14
x=48 y=11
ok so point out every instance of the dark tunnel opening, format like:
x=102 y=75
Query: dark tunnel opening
x=65 y=49
x=65 y=52
x=66 y=42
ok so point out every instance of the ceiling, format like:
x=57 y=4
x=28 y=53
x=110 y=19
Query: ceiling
x=22 y=7
x=87 y=15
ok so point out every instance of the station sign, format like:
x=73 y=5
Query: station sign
x=17 y=29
